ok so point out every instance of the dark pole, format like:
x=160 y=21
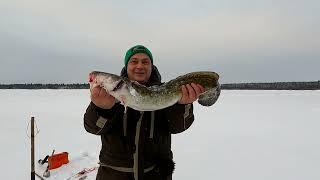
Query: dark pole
x=32 y=150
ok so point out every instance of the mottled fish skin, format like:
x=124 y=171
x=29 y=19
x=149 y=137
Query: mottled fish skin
x=142 y=98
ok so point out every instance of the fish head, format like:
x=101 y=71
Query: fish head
x=112 y=83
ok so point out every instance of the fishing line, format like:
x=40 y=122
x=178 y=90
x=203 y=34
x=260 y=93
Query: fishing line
x=36 y=126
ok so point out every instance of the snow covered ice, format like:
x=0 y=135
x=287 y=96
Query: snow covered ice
x=246 y=135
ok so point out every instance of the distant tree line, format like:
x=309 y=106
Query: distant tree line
x=312 y=85
x=44 y=86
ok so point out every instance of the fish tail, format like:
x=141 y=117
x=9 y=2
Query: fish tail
x=209 y=97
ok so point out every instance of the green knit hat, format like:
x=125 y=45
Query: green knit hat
x=134 y=50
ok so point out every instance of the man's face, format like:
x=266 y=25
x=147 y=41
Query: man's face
x=139 y=68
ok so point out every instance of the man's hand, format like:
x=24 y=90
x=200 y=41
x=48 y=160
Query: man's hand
x=190 y=93
x=101 y=98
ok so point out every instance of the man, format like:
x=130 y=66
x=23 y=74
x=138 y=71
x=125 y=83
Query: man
x=137 y=145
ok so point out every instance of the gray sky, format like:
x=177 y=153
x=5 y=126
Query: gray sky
x=60 y=41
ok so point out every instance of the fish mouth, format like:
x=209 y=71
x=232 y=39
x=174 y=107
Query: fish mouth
x=91 y=77
x=119 y=85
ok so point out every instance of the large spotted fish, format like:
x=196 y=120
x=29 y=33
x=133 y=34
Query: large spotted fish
x=142 y=98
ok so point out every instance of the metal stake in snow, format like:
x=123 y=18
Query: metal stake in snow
x=32 y=150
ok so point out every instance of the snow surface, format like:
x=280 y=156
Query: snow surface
x=246 y=135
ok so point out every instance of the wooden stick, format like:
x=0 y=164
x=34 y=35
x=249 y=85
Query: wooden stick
x=32 y=150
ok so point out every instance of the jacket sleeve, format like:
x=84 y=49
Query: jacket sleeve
x=180 y=117
x=99 y=121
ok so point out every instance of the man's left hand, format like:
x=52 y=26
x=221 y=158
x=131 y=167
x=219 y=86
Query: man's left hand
x=190 y=93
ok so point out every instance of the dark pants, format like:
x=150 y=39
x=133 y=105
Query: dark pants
x=105 y=173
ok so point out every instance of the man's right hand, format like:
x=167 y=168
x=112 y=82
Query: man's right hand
x=101 y=98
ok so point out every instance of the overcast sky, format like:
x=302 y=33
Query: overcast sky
x=61 y=41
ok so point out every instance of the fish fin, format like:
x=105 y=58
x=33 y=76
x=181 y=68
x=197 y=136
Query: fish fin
x=123 y=100
x=209 y=97
x=138 y=87
x=137 y=84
